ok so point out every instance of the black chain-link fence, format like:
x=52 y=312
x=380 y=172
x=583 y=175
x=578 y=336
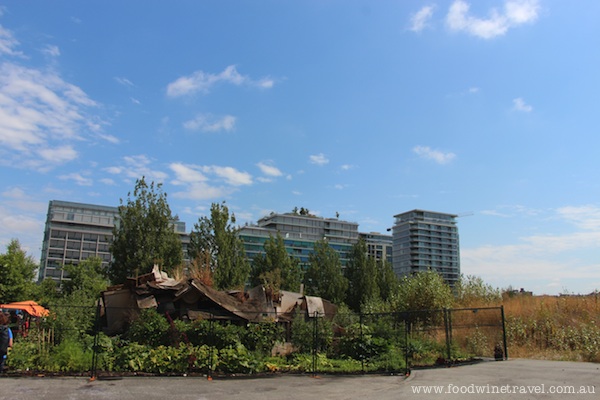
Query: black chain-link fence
x=72 y=340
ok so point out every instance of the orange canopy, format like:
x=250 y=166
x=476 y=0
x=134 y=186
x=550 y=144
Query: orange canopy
x=30 y=307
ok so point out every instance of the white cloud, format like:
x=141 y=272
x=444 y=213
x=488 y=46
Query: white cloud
x=265 y=83
x=27 y=226
x=52 y=51
x=109 y=138
x=196 y=180
x=108 y=181
x=203 y=191
x=520 y=105
x=187 y=174
x=201 y=81
x=231 y=175
x=550 y=257
x=268 y=169
x=114 y=170
x=419 y=20
x=521 y=12
x=135 y=167
x=14 y=193
x=512 y=211
x=585 y=217
x=533 y=260
x=347 y=167
x=8 y=43
x=206 y=123
x=41 y=115
x=23 y=218
x=58 y=155
x=516 y=12
x=123 y=81
x=78 y=178
x=318 y=159
x=264 y=179
x=434 y=155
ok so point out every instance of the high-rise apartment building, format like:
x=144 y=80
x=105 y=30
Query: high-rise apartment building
x=379 y=246
x=75 y=232
x=300 y=232
x=424 y=240
x=421 y=239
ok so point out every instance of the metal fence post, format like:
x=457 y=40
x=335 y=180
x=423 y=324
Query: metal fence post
x=504 y=333
x=447 y=332
x=94 y=371
x=211 y=348
x=315 y=344
x=406 y=368
x=362 y=345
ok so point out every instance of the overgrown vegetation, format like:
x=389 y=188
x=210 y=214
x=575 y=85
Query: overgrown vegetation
x=549 y=327
x=556 y=328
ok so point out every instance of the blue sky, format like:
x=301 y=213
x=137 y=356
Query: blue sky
x=483 y=108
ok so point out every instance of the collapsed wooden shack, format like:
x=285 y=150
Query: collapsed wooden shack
x=191 y=300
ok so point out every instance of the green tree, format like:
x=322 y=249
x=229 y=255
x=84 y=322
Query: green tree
x=324 y=277
x=144 y=234
x=425 y=290
x=87 y=277
x=361 y=272
x=473 y=291
x=276 y=269
x=47 y=292
x=215 y=239
x=74 y=307
x=17 y=271
x=387 y=280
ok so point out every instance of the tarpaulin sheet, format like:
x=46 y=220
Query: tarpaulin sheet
x=30 y=307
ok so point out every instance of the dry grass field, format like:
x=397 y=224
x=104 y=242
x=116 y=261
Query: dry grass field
x=553 y=327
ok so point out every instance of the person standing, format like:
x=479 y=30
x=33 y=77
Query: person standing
x=6 y=339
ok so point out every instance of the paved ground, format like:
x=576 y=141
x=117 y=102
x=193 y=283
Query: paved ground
x=530 y=376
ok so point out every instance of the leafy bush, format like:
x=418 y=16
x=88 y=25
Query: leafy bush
x=345 y=317
x=236 y=360
x=472 y=291
x=262 y=336
x=423 y=291
x=27 y=355
x=425 y=352
x=478 y=343
x=212 y=333
x=71 y=317
x=70 y=356
x=136 y=357
x=186 y=357
x=303 y=334
x=150 y=328
x=359 y=343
